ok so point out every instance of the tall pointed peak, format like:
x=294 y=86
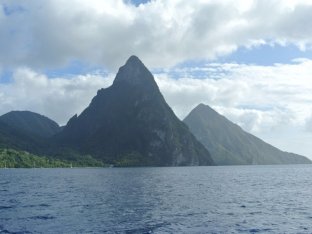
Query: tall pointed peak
x=203 y=107
x=134 y=72
x=205 y=111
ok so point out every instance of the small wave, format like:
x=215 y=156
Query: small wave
x=139 y=230
x=44 y=205
x=43 y=217
x=146 y=230
x=18 y=193
x=255 y=230
x=6 y=207
x=5 y=231
x=32 y=205
x=13 y=201
x=4 y=183
x=21 y=232
x=255 y=213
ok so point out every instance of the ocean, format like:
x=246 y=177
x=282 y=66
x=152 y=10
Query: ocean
x=229 y=199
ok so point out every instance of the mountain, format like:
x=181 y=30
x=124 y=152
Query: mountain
x=30 y=123
x=25 y=130
x=17 y=139
x=130 y=124
x=25 y=138
x=231 y=145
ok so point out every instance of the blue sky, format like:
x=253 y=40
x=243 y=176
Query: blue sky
x=267 y=55
x=138 y=2
x=250 y=60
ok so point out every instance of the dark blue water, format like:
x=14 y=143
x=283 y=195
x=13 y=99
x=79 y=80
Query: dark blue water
x=241 y=199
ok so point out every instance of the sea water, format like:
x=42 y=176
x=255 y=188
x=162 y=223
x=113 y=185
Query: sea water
x=231 y=199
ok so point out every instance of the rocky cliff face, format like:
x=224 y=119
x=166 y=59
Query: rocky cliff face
x=130 y=123
x=231 y=145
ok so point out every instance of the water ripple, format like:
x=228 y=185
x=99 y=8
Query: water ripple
x=245 y=199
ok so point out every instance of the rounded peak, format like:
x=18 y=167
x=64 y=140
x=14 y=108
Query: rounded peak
x=133 y=58
x=25 y=115
x=22 y=112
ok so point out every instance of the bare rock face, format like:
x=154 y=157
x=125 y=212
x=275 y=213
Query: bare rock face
x=130 y=124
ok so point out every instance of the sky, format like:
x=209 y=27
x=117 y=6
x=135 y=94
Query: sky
x=251 y=60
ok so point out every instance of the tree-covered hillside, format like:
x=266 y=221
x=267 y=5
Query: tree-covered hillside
x=21 y=159
x=31 y=123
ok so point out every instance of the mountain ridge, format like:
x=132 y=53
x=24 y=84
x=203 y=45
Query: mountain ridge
x=229 y=144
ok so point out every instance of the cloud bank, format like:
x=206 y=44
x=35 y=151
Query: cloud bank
x=257 y=97
x=58 y=98
x=162 y=33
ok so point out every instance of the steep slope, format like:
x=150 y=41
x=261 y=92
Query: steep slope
x=231 y=145
x=16 y=139
x=30 y=123
x=130 y=123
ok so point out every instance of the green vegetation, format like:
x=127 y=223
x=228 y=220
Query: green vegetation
x=133 y=159
x=88 y=161
x=20 y=159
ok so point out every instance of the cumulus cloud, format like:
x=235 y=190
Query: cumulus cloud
x=259 y=98
x=57 y=98
x=163 y=33
x=308 y=124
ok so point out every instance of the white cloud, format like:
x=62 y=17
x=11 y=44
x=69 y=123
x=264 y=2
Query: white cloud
x=279 y=88
x=308 y=124
x=51 y=33
x=273 y=102
x=57 y=98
